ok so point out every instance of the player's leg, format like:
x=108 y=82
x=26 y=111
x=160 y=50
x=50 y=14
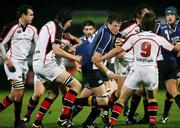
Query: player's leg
x=53 y=92
x=74 y=87
x=119 y=104
x=33 y=101
x=77 y=108
x=113 y=94
x=167 y=105
x=135 y=100
x=152 y=107
x=17 y=89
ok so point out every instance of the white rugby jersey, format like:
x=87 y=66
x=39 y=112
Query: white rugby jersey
x=19 y=39
x=50 y=33
x=146 y=46
x=132 y=29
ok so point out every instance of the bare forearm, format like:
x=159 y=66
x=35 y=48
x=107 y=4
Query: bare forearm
x=102 y=67
x=112 y=53
x=62 y=53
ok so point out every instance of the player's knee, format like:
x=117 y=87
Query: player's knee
x=52 y=95
x=168 y=96
x=38 y=93
x=76 y=85
x=103 y=100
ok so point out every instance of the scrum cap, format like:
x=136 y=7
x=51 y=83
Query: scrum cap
x=63 y=16
x=171 y=10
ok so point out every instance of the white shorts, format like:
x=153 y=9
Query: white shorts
x=21 y=70
x=49 y=71
x=143 y=75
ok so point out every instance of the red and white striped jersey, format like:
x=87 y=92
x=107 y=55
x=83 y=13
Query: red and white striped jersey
x=19 y=39
x=146 y=46
x=128 y=31
x=50 y=33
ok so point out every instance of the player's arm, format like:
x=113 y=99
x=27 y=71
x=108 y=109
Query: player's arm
x=112 y=53
x=5 y=37
x=62 y=53
x=72 y=37
x=103 y=68
x=177 y=47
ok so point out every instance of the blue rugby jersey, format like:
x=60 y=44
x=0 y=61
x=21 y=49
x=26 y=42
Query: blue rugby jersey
x=173 y=35
x=101 y=41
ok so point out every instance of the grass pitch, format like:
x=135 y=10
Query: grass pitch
x=49 y=121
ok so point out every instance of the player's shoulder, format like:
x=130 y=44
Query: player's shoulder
x=33 y=27
x=127 y=23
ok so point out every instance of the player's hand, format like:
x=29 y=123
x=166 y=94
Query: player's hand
x=10 y=65
x=79 y=59
x=119 y=41
x=121 y=55
x=178 y=54
x=111 y=75
x=96 y=59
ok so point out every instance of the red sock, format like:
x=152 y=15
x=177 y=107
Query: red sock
x=117 y=110
x=46 y=104
x=68 y=102
x=152 y=109
x=6 y=102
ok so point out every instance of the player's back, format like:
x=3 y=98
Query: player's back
x=146 y=47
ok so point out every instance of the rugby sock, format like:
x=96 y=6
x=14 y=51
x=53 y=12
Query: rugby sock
x=46 y=104
x=6 y=102
x=152 y=109
x=31 y=106
x=75 y=110
x=95 y=111
x=167 y=106
x=17 y=110
x=69 y=99
x=177 y=100
x=135 y=100
x=117 y=110
x=87 y=101
x=145 y=104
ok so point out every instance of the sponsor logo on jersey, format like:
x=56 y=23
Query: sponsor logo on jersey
x=144 y=60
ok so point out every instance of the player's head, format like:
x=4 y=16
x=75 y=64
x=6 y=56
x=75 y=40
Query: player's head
x=113 y=23
x=141 y=10
x=148 y=22
x=64 y=17
x=26 y=13
x=171 y=13
x=88 y=27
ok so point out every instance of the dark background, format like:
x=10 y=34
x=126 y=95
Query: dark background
x=46 y=10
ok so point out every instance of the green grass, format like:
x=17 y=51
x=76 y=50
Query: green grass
x=49 y=121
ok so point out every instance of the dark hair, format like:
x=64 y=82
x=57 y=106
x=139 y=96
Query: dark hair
x=23 y=9
x=88 y=23
x=63 y=16
x=139 y=9
x=113 y=17
x=148 y=22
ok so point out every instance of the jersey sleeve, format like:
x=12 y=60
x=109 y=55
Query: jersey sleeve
x=35 y=35
x=128 y=43
x=166 y=44
x=56 y=33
